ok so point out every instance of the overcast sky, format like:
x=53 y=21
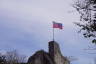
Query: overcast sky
x=26 y=25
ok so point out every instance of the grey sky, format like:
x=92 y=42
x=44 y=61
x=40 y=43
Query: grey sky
x=26 y=25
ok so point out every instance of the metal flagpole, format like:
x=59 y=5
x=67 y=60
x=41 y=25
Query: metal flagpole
x=53 y=30
x=53 y=33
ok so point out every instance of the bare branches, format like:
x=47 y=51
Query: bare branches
x=12 y=57
x=87 y=11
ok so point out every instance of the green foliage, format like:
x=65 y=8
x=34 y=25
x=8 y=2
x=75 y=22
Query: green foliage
x=94 y=41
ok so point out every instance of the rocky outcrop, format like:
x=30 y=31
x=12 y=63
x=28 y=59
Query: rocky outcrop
x=54 y=56
x=40 y=57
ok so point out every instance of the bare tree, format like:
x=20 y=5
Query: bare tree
x=13 y=57
x=22 y=58
x=2 y=59
x=87 y=11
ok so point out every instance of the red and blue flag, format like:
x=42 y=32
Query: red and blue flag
x=57 y=25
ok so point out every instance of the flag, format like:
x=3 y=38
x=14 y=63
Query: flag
x=57 y=25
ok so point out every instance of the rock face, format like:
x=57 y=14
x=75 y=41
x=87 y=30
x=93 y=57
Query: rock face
x=54 y=56
x=40 y=57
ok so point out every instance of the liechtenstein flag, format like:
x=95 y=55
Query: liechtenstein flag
x=57 y=25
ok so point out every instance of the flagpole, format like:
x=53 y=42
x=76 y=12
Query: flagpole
x=53 y=33
x=53 y=30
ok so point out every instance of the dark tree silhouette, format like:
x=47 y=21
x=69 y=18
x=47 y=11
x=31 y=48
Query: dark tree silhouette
x=87 y=11
x=2 y=59
x=13 y=57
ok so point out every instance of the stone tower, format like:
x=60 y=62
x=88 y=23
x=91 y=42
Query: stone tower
x=54 y=49
x=55 y=53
